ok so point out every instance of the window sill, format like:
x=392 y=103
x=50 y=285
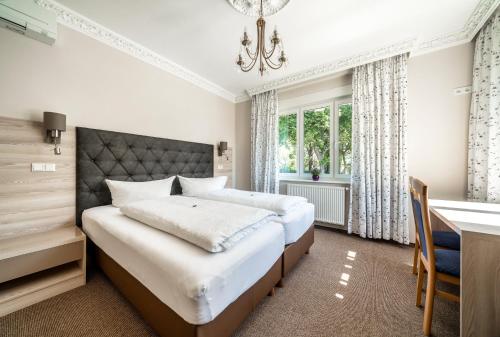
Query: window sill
x=337 y=181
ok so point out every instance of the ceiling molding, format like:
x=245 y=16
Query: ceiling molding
x=241 y=98
x=481 y=13
x=82 y=24
x=336 y=66
x=478 y=17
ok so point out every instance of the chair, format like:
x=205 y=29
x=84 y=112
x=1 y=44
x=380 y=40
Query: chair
x=440 y=264
x=442 y=239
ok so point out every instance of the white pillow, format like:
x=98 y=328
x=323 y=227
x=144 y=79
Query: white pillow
x=124 y=192
x=197 y=186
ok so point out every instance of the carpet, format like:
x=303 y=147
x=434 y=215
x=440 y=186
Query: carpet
x=346 y=286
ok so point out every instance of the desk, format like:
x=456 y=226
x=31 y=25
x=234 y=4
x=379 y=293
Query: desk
x=479 y=227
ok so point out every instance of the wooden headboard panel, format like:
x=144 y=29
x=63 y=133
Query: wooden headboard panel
x=34 y=201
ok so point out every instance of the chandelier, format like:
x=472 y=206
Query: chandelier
x=247 y=58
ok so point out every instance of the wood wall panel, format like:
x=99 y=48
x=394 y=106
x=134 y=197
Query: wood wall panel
x=34 y=201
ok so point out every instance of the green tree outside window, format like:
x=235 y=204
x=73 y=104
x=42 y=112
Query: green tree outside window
x=288 y=143
x=317 y=142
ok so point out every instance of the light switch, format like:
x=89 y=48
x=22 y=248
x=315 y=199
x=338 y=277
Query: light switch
x=50 y=167
x=36 y=167
x=43 y=167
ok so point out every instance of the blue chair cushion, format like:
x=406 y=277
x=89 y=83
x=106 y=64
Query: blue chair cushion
x=446 y=239
x=448 y=261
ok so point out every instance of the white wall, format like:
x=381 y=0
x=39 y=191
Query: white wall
x=99 y=87
x=242 y=155
x=438 y=120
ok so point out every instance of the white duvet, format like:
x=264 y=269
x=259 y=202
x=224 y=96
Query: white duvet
x=211 y=225
x=278 y=203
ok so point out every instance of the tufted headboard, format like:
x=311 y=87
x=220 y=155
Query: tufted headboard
x=104 y=155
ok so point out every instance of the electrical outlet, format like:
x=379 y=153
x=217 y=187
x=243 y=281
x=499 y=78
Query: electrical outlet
x=462 y=90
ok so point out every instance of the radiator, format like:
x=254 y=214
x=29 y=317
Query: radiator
x=329 y=201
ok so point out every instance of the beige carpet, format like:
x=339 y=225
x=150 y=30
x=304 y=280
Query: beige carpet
x=376 y=299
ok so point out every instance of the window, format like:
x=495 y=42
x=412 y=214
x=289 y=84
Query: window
x=288 y=143
x=317 y=139
x=316 y=136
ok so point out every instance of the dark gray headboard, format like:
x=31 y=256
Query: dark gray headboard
x=121 y=156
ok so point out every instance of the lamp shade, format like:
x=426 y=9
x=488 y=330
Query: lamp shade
x=223 y=146
x=54 y=121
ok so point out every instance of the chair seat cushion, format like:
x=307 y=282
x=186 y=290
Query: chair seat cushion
x=448 y=261
x=449 y=240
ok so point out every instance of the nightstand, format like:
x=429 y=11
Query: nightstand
x=37 y=266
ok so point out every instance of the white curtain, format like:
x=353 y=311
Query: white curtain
x=484 y=120
x=264 y=142
x=379 y=178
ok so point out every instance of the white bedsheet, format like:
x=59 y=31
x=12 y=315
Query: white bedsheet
x=296 y=222
x=278 y=203
x=212 y=225
x=196 y=284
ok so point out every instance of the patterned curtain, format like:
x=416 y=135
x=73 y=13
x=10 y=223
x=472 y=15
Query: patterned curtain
x=484 y=120
x=379 y=178
x=264 y=142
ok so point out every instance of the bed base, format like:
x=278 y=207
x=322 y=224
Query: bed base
x=293 y=252
x=167 y=323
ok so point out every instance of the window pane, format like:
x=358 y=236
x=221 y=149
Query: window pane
x=317 y=139
x=288 y=143
x=344 y=137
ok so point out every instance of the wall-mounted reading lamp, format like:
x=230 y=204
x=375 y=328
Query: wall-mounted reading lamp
x=54 y=124
x=222 y=149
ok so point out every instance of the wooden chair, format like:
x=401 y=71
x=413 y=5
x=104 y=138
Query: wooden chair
x=440 y=264
x=441 y=239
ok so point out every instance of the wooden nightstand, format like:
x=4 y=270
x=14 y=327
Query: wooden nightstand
x=38 y=266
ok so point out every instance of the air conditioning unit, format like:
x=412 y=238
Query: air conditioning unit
x=27 y=18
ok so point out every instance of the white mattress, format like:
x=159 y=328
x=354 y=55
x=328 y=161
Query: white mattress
x=296 y=222
x=196 y=284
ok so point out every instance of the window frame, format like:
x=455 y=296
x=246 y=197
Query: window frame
x=338 y=102
x=333 y=103
x=318 y=105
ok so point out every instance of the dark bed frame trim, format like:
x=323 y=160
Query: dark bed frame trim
x=167 y=323
x=295 y=251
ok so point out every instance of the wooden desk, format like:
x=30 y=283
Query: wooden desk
x=479 y=227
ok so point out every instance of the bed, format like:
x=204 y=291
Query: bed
x=198 y=285
x=208 y=296
x=299 y=235
x=297 y=219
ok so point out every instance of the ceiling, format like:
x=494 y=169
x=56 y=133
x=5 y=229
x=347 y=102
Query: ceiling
x=203 y=35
